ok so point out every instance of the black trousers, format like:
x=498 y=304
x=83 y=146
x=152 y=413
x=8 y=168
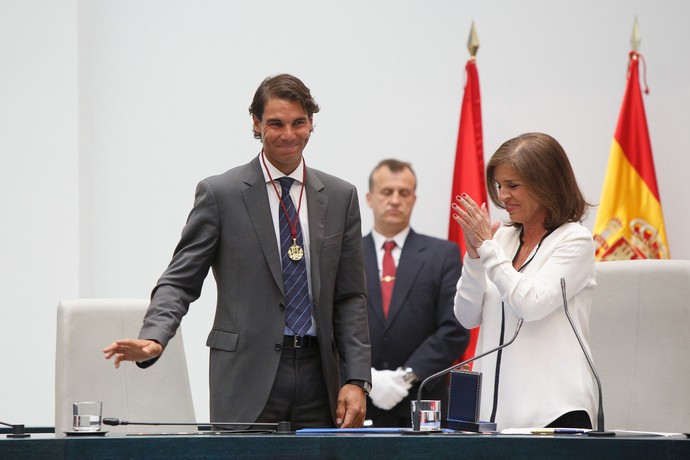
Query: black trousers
x=299 y=393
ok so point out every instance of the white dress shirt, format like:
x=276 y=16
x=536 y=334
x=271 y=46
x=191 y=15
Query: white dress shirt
x=379 y=241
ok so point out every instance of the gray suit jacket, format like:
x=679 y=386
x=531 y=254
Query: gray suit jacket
x=230 y=229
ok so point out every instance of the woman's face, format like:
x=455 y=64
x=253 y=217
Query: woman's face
x=518 y=198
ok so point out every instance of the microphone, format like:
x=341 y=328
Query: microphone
x=279 y=428
x=415 y=416
x=600 y=413
x=18 y=431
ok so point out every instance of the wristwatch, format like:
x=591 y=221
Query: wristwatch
x=410 y=376
x=363 y=384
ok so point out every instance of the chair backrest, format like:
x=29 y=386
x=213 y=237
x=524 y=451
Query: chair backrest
x=640 y=338
x=160 y=393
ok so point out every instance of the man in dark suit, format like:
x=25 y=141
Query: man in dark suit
x=284 y=243
x=411 y=280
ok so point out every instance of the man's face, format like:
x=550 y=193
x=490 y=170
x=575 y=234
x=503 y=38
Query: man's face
x=285 y=130
x=392 y=198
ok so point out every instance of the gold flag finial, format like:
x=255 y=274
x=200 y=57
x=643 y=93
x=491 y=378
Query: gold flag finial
x=635 y=39
x=473 y=41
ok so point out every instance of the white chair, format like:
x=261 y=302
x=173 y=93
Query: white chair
x=640 y=338
x=160 y=393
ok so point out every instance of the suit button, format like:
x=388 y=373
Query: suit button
x=385 y=365
x=278 y=347
x=281 y=306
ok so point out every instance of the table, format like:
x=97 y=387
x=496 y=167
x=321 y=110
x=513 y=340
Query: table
x=286 y=446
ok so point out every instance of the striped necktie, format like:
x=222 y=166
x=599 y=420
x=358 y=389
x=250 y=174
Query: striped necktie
x=298 y=309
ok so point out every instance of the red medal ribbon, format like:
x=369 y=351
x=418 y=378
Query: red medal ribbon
x=293 y=227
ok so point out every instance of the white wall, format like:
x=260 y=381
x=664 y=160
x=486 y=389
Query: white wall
x=163 y=91
x=39 y=197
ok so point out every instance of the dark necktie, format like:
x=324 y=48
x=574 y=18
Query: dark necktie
x=388 y=275
x=298 y=309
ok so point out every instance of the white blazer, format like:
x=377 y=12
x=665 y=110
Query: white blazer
x=544 y=373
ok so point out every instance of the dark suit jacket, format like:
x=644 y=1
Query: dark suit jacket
x=230 y=229
x=421 y=330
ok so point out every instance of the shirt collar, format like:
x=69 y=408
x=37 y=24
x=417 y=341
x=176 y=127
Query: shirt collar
x=276 y=174
x=399 y=239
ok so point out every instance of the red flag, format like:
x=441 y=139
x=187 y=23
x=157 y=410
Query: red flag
x=468 y=174
x=630 y=224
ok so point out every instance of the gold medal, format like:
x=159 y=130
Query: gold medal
x=295 y=252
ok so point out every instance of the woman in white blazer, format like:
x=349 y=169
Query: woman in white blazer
x=513 y=272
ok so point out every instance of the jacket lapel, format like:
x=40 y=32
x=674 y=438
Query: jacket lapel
x=256 y=201
x=408 y=269
x=317 y=203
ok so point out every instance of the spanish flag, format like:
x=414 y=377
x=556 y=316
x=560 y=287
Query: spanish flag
x=630 y=224
x=468 y=174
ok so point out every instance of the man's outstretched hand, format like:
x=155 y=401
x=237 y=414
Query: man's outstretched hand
x=132 y=350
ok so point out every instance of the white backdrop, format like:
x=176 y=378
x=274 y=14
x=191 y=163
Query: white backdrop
x=113 y=110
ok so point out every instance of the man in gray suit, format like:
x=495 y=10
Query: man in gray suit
x=411 y=281
x=284 y=243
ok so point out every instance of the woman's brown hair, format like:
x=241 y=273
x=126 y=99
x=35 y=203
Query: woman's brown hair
x=543 y=166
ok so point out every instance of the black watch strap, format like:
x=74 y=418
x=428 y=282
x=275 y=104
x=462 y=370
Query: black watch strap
x=363 y=384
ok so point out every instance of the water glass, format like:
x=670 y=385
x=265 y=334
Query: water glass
x=86 y=415
x=429 y=414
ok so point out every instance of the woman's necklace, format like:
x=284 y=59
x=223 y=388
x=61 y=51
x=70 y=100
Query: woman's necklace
x=520 y=255
x=527 y=247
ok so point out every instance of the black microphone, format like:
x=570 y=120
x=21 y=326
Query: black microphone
x=600 y=413
x=17 y=431
x=415 y=416
x=279 y=427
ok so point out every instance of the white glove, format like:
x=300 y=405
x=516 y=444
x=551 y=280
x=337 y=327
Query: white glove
x=387 y=388
x=407 y=384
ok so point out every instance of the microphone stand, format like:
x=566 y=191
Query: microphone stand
x=279 y=427
x=18 y=431
x=415 y=416
x=600 y=413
